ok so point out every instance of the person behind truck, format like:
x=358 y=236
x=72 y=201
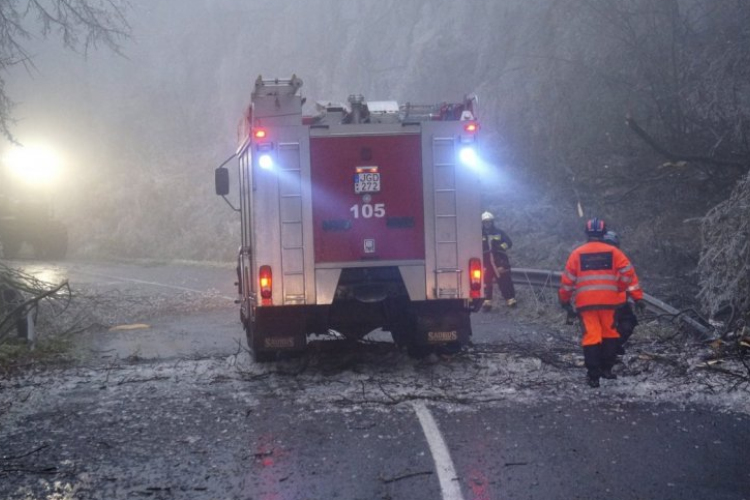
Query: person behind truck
x=596 y=277
x=495 y=246
x=625 y=318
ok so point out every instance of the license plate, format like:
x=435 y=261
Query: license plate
x=368 y=182
x=278 y=343
x=442 y=336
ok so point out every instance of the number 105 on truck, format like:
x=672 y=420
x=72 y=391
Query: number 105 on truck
x=357 y=216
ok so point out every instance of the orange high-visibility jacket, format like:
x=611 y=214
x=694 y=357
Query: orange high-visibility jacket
x=596 y=276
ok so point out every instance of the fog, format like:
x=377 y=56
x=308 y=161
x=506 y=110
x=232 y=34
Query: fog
x=163 y=113
x=141 y=132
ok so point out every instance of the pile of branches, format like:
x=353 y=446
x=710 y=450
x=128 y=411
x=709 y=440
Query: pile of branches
x=724 y=266
x=22 y=295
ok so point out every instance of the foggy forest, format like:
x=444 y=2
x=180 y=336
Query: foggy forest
x=635 y=111
x=349 y=352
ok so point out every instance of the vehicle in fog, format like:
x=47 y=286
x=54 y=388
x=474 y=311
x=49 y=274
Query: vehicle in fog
x=364 y=215
x=26 y=208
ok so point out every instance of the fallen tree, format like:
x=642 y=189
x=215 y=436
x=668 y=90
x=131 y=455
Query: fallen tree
x=21 y=294
x=724 y=266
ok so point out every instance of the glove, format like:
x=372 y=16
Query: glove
x=640 y=305
x=571 y=316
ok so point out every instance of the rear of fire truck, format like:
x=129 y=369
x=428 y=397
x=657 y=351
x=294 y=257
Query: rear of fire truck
x=362 y=216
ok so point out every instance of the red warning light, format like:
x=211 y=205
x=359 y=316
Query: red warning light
x=259 y=133
x=265 y=280
x=471 y=127
x=475 y=277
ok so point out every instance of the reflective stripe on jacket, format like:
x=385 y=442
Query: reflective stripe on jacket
x=496 y=240
x=596 y=276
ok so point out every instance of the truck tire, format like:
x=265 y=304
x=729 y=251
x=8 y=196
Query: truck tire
x=264 y=356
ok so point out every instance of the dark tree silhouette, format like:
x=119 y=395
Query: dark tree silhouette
x=80 y=24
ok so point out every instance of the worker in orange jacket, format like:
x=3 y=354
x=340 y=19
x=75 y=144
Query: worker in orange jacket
x=595 y=277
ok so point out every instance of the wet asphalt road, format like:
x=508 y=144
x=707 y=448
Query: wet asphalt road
x=175 y=409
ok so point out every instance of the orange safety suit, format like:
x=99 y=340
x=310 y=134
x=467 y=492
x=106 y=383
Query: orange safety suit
x=597 y=277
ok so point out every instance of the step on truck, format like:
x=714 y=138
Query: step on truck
x=361 y=215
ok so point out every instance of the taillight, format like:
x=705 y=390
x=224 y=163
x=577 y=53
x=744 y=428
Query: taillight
x=475 y=277
x=265 y=280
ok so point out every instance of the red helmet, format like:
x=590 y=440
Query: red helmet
x=595 y=227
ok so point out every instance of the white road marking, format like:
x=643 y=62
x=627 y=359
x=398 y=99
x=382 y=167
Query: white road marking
x=449 y=484
x=152 y=283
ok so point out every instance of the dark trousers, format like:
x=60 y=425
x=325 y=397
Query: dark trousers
x=625 y=322
x=504 y=281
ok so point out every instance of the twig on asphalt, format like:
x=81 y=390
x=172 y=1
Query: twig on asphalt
x=139 y=380
x=380 y=384
x=43 y=470
x=405 y=476
x=40 y=448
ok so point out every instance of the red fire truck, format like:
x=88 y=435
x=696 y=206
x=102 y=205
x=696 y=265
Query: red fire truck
x=362 y=216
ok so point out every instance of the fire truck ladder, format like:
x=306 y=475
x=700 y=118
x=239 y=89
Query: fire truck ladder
x=277 y=86
x=290 y=210
x=447 y=270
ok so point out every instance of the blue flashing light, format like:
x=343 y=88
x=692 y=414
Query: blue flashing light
x=265 y=161
x=468 y=156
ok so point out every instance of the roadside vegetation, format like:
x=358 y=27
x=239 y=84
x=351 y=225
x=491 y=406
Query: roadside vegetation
x=29 y=306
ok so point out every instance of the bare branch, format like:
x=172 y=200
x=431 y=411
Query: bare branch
x=633 y=125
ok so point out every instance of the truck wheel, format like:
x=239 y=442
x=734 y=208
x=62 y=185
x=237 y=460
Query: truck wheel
x=399 y=337
x=264 y=356
x=449 y=348
x=419 y=351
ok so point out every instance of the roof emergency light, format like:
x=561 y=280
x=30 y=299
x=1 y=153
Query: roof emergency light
x=471 y=127
x=469 y=135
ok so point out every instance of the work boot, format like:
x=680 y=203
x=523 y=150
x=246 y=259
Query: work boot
x=609 y=357
x=487 y=305
x=511 y=302
x=592 y=380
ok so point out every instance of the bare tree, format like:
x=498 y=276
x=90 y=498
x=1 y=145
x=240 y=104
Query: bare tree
x=683 y=70
x=80 y=24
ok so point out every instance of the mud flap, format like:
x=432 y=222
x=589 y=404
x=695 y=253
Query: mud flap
x=272 y=330
x=442 y=322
